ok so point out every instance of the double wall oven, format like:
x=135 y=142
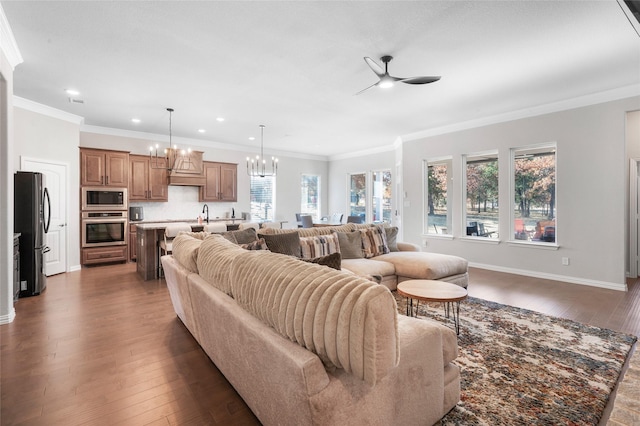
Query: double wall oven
x=104 y=216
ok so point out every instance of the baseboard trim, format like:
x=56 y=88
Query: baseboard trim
x=554 y=277
x=6 y=319
x=75 y=268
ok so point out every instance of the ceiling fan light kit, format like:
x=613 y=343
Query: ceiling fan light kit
x=387 y=80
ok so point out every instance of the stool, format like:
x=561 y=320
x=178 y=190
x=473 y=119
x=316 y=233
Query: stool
x=166 y=244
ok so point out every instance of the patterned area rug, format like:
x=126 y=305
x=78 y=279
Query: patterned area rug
x=520 y=367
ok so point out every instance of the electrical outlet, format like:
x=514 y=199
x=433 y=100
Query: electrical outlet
x=565 y=261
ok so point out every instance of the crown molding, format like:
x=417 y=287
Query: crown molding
x=579 y=102
x=110 y=131
x=46 y=110
x=371 y=151
x=8 y=44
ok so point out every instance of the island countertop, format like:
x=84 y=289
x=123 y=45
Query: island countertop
x=161 y=224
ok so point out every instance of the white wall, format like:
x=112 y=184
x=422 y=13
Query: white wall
x=48 y=138
x=7 y=312
x=591 y=178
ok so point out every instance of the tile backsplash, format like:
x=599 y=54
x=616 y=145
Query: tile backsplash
x=183 y=204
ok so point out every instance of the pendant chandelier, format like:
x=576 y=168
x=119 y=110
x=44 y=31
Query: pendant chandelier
x=173 y=157
x=257 y=167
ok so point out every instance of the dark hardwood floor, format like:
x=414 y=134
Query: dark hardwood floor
x=100 y=346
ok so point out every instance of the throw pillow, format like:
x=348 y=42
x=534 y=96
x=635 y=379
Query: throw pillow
x=288 y=243
x=258 y=244
x=392 y=236
x=332 y=260
x=243 y=236
x=319 y=245
x=374 y=241
x=350 y=245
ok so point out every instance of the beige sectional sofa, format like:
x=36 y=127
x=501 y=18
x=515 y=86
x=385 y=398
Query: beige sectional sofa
x=404 y=261
x=304 y=344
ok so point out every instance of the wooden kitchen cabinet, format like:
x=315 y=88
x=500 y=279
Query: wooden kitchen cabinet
x=133 y=241
x=100 y=167
x=105 y=254
x=148 y=183
x=220 y=182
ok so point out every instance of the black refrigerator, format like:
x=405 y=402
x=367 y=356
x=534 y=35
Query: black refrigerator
x=32 y=215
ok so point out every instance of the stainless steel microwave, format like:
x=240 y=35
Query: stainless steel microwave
x=104 y=198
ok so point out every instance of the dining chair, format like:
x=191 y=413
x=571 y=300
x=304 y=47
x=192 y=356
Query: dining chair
x=355 y=219
x=307 y=221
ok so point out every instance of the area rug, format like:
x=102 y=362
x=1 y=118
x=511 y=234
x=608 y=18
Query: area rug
x=520 y=367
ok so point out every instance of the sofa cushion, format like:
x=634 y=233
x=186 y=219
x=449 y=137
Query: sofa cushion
x=185 y=250
x=332 y=260
x=424 y=265
x=287 y=243
x=366 y=267
x=374 y=241
x=214 y=261
x=350 y=245
x=318 y=245
x=349 y=322
x=241 y=236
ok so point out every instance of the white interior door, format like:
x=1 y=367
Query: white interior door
x=55 y=180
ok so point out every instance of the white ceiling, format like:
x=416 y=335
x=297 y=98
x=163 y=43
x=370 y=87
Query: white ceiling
x=295 y=66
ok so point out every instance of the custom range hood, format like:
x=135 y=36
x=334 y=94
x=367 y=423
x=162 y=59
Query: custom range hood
x=187 y=170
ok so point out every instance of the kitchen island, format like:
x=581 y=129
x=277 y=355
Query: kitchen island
x=148 y=235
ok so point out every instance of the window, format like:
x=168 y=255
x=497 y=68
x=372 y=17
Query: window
x=358 y=194
x=381 y=206
x=534 y=195
x=310 y=196
x=481 y=205
x=438 y=217
x=263 y=190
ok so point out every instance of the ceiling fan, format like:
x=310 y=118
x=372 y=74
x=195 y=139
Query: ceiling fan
x=387 y=80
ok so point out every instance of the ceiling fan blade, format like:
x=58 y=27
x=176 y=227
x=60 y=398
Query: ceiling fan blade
x=374 y=66
x=419 y=80
x=374 y=84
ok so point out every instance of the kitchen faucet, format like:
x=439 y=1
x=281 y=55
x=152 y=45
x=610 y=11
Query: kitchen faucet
x=206 y=207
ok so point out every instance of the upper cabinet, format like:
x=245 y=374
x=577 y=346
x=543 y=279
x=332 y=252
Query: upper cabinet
x=148 y=179
x=220 y=182
x=104 y=168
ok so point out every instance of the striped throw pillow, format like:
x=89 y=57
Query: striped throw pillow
x=318 y=246
x=374 y=241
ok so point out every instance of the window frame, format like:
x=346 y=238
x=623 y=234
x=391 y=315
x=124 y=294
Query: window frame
x=371 y=198
x=273 y=199
x=426 y=163
x=366 y=192
x=536 y=149
x=318 y=208
x=492 y=153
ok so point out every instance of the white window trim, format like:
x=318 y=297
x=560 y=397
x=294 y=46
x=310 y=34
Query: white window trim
x=425 y=199
x=463 y=221
x=512 y=196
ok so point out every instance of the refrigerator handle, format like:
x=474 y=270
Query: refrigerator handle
x=48 y=220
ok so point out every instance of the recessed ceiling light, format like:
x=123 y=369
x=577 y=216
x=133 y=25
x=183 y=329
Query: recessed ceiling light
x=72 y=92
x=135 y=120
x=251 y=138
x=201 y=130
x=220 y=119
